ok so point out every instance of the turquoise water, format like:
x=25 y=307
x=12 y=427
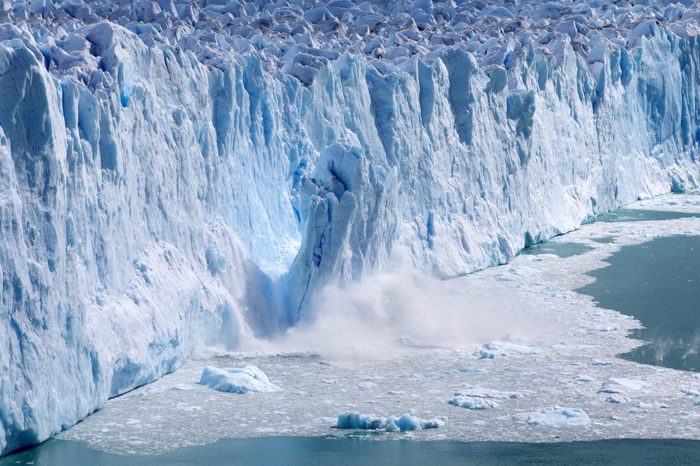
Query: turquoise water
x=638 y=215
x=558 y=249
x=273 y=451
x=658 y=283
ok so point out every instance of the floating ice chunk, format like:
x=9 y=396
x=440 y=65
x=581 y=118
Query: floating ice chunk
x=472 y=403
x=182 y=387
x=493 y=350
x=475 y=398
x=355 y=420
x=652 y=405
x=555 y=417
x=620 y=386
x=366 y=385
x=248 y=379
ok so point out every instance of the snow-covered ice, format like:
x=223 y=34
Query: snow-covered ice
x=248 y=379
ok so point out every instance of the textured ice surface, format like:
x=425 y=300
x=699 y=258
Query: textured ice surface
x=621 y=386
x=576 y=359
x=481 y=398
x=248 y=379
x=177 y=172
x=556 y=417
x=499 y=349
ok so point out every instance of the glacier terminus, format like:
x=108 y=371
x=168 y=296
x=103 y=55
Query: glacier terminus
x=186 y=173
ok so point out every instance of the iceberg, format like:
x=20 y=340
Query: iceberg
x=555 y=417
x=248 y=379
x=175 y=173
x=475 y=398
x=406 y=422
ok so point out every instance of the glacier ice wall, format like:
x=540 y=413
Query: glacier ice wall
x=150 y=201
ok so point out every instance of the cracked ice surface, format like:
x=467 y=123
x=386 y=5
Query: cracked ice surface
x=560 y=392
x=299 y=37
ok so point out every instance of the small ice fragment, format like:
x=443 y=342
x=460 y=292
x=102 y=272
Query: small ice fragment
x=366 y=385
x=617 y=399
x=621 y=386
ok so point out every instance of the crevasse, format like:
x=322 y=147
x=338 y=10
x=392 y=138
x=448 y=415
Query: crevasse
x=168 y=203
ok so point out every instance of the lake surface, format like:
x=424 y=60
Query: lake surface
x=641 y=215
x=658 y=283
x=272 y=451
x=557 y=248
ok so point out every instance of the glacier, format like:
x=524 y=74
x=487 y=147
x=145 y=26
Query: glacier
x=175 y=173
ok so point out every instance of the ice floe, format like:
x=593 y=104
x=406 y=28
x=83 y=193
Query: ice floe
x=248 y=379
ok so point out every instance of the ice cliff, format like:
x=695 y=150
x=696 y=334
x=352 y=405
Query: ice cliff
x=182 y=171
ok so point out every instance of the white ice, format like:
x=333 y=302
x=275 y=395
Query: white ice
x=248 y=379
x=406 y=422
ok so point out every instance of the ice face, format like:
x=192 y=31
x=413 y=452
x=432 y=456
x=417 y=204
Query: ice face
x=185 y=172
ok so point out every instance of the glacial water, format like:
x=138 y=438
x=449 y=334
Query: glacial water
x=641 y=215
x=657 y=282
x=272 y=451
x=558 y=249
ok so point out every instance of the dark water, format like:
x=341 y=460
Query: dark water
x=273 y=451
x=658 y=283
x=638 y=215
x=559 y=249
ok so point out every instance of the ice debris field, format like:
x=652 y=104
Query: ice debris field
x=177 y=173
x=569 y=385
